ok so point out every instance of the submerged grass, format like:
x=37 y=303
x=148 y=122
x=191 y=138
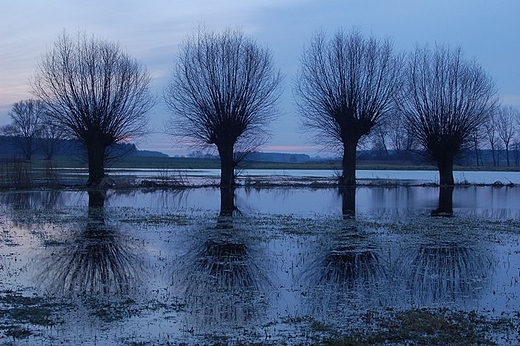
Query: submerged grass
x=411 y=327
x=22 y=317
x=443 y=327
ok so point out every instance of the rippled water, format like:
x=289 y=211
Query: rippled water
x=192 y=265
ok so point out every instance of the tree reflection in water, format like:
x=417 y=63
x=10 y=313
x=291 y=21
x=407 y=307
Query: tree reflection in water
x=220 y=274
x=98 y=260
x=24 y=204
x=33 y=200
x=348 y=202
x=445 y=202
x=350 y=273
x=227 y=201
x=446 y=272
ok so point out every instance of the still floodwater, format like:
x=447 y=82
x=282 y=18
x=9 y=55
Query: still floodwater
x=170 y=266
x=274 y=176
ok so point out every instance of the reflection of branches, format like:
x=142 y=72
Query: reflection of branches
x=352 y=271
x=221 y=279
x=98 y=261
x=444 y=272
x=24 y=205
x=161 y=198
x=224 y=261
x=33 y=200
x=226 y=265
x=351 y=267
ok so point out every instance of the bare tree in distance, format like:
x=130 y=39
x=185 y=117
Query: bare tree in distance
x=27 y=124
x=394 y=136
x=401 y=138
x=516 y=143
x=94 y=92
x=445 y=99
x=345 y=86
x=477 y=137
x=506 y=127
x=380 y=140
x=491 y=134
x=51 y=138
x=223 y=91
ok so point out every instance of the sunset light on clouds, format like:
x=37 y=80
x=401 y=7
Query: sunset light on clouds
x=152 y=31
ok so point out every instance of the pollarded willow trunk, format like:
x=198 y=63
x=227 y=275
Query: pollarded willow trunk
x=348 y=177
x=96 y=163
x=446 y=171
x=227 y=165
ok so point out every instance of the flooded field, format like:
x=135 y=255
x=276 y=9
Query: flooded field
x=279 y=265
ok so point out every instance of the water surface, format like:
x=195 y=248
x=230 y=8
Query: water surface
x=193 y=265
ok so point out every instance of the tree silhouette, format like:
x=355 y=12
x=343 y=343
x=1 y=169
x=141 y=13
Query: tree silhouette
x=491 y=135
x=506 y=118
x=94 y=92
x=223 y=92
x=27 y=125
x=98 y=261
x=445 y=99
x=345 y=86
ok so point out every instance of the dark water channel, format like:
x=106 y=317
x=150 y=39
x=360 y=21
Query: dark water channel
x=251 y=265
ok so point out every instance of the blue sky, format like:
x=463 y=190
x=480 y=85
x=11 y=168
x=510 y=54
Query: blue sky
x=488 y=31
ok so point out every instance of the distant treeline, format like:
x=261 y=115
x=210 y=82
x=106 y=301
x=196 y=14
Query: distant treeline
x=10 y=147
x=468 y=157
x=410 y=157
x=46 y=148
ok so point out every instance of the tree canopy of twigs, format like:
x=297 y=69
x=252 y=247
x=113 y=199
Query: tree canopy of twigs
x=94 y=92
x=445 y=98
x=27 y=125
x=506 y=118
x=223 y=91
x=344 y=87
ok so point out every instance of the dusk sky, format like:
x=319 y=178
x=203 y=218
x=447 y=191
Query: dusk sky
x=488 y=31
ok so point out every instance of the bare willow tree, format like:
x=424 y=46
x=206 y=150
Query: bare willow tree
x=491 y=136
x=27 y=124
x=223 y=92
x=445 y=99
x=506 y=128
x=94 y=92
x=345 y=86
